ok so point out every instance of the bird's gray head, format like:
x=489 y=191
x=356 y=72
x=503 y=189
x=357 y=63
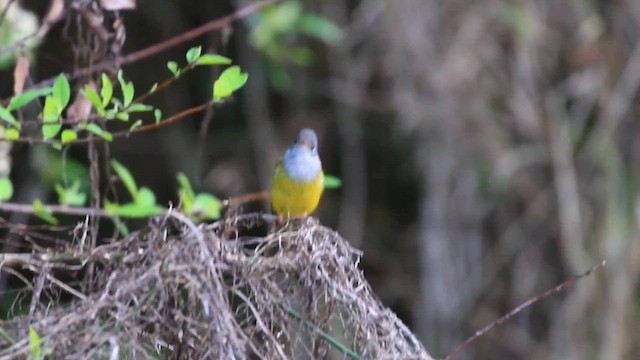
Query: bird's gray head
x=301 y=161
x=307 y=138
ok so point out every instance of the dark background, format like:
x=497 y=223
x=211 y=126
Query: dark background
x=488 y=151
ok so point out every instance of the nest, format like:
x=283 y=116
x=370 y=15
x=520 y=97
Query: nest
x=176 y=290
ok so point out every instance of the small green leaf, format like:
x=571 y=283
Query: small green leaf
x=42 y=213
x=126 y=178
x=136 y=125
x=95 y=100
x=51 y=117
x=26 y=97
x=157 y=113
x=61 y=91
x=72 y=195
x=12 y=134
x=133 y=210
x=97 y=130
x=207 y=206
x=51 y=110
x=332 y=182
x=284 y=16
x=127 y=89
x=49 y=131
x=193 y=54
x=68 y=136
x=173 y=67
x=213 y=59
x=6 y=188
x=145 y=197
x=35 y=346
x=320 y=27
x=127 y=92
x=229 y=81
x=185 y=193
x=153 y=88
x=139 y=107
x=122 y=227
x=117 y=104
x=122 y=116
x=106 y=92
x=8 y=117
x=121 y=78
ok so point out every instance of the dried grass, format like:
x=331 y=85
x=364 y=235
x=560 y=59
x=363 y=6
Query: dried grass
x=178 y=290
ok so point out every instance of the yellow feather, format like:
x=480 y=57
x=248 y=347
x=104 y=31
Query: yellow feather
x=294 y=198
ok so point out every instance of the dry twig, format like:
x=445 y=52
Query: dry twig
x=188 y=291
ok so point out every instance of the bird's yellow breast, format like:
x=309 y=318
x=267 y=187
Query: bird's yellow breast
x=294 y=198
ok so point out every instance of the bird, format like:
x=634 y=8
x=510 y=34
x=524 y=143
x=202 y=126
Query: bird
x=298 y=180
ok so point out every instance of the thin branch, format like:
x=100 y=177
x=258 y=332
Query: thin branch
x=530 y=302
x=55 y=209
x=120 y=134
x=155 y=49
x=10 y=259
x=67 y=288
x=197 y=32
x=246 y=198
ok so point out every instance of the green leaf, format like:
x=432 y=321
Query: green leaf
x=61 y=91
x=213 y=59
x=127 y=92
x=26 y=97
x=139 y=107
x=136 y=125
x=173 y=67
x=122 y=227
x=154 y=87
x=145 y=197
x=193 y=54
x=320 y=27
x=207 y=206
x=185 y=193
x=97 y=130
x=51 y=117
x=121 y=77
x=127 y=89
x=106 y=92
x=157 y=113
x=72 y=195
x=12 y=134
x=6 y=188
x=126 y=178
x=284 y=16
x=229 y=81
x=68 y=136
x=122 y=116
x=8 y=117
x=42 y=213
x=49 y=131
x=133 y=210
x=95 y=100
x=51 y=111
x=332 y=182
x=35 y=346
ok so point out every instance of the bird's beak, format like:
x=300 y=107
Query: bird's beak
x=304 y=143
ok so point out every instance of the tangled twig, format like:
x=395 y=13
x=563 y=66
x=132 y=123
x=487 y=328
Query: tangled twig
x=194 y=292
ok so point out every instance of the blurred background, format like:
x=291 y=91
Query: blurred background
x=488 y=149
